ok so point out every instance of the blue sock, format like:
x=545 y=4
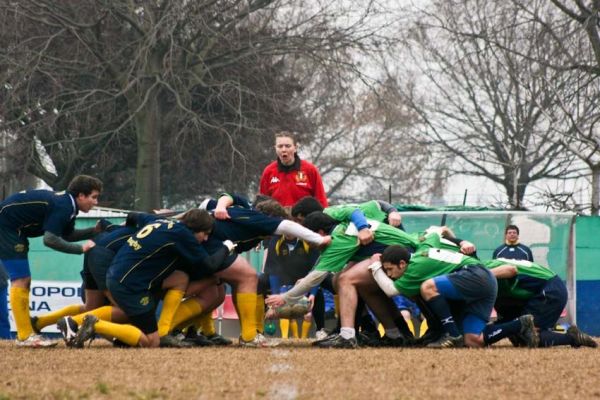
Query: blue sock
x=496 y=332
x=440 y=308
x=4 y=323
x=549 y=338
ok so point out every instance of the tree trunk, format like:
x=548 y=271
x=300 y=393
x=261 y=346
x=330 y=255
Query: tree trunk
x=147 y=177
x=595 y=189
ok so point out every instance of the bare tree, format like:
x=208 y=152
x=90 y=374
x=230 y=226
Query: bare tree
x=89 y=76
x=483 y=101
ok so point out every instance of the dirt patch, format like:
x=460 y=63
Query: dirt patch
x=296 y=371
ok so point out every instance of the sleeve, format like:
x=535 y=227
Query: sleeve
x=59 y=222
x=294 y=229
x=264 y=182
x=358 y=219
x=80 y=234
x=386 y=207
x=495 y=254
x=530 y=254
x=385 y=283
x=304 y=285
x=59 y=244
x=318 y=188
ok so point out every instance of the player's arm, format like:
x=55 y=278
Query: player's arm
x=65 y=246
x=385 y=283
x=505 y=271
x=393 y=216
x=301 y=287
x=291 y=228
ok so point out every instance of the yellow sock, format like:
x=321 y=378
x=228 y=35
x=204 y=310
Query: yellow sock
x=126 y=333
x=305 y=329
x=411 y=326
x=207 y=324
x=284 y=326
x=260 y=313
x=336 y=305
x=294 y=328
x=19 y=303
x=53 y=317
x=423 y=327
x=187 y=310
x=103 y=313
x=246 y=306
x=171 y=303
x=381 y=330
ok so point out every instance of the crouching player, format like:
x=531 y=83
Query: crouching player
x=525 y=287
x=443 y=278
x=147 y=264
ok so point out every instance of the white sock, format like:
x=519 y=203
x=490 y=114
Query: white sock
x=393 y=333
x=347 y=333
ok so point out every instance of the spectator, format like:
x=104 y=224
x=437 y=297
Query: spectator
x=289 y=178
x=512 y=249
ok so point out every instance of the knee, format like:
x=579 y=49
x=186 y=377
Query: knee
x=428 y=289
x=474 y=341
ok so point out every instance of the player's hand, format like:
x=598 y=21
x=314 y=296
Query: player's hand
x=365 y=236
x=308 y=316
x=275 y=300
x=221 y=213
x=326 y=242
x=271 y=313
x=394 y=218
x=88 y=245
x=467 y=247
x=311 y=302
x=376 y=257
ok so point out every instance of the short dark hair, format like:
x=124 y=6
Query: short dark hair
x=197 y=220
x=260 y=198
x=84 y=184
x=514 y=227
x=273 y=208
x=394 y=254
x=305 y=206
x=318 y=220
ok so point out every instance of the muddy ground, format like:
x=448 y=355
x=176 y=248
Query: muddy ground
x=294 y=370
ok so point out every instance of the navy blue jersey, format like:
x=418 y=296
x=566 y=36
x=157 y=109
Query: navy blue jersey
x=150 y=255
x=116 y=237
x=246 y=227
x=34 y=212
x=513 y=252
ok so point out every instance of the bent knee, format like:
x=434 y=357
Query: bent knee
x=428 y=289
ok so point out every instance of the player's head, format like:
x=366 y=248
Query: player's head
x=511 y=234
x=395 y=260
x=305 y=206
x=86 y=190
x=318 y=221
x=198 y=221
x=285 y=147
x=273 y=208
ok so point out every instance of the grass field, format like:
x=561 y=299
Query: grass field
x=294 y=370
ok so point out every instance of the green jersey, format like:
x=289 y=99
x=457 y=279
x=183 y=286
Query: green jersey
x=429 y=262
x=342 y=213
x=345 y=243
x=531 y=278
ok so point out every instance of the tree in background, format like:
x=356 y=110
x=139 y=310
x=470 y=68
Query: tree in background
x=194 y=89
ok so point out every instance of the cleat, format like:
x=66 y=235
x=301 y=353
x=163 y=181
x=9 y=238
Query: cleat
x=119 y=344
x=34 y=321
x=197 y=339
x=337 y=342
x=430 y=336
x=321 y=334
x=259 y=341
x=36 y=341
x=386 y=341
x=86 y=331
x=580 y=338
x=517 y=341
x=219 y=340
x=175 y=342
x=68 y=328
x=447 y=342
x=528 y=333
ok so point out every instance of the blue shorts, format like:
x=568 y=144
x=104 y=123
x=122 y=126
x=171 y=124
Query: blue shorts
x=472 y=291
x=96 y=262
x=546 y=306
x=132 y=302
x=13 y=253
